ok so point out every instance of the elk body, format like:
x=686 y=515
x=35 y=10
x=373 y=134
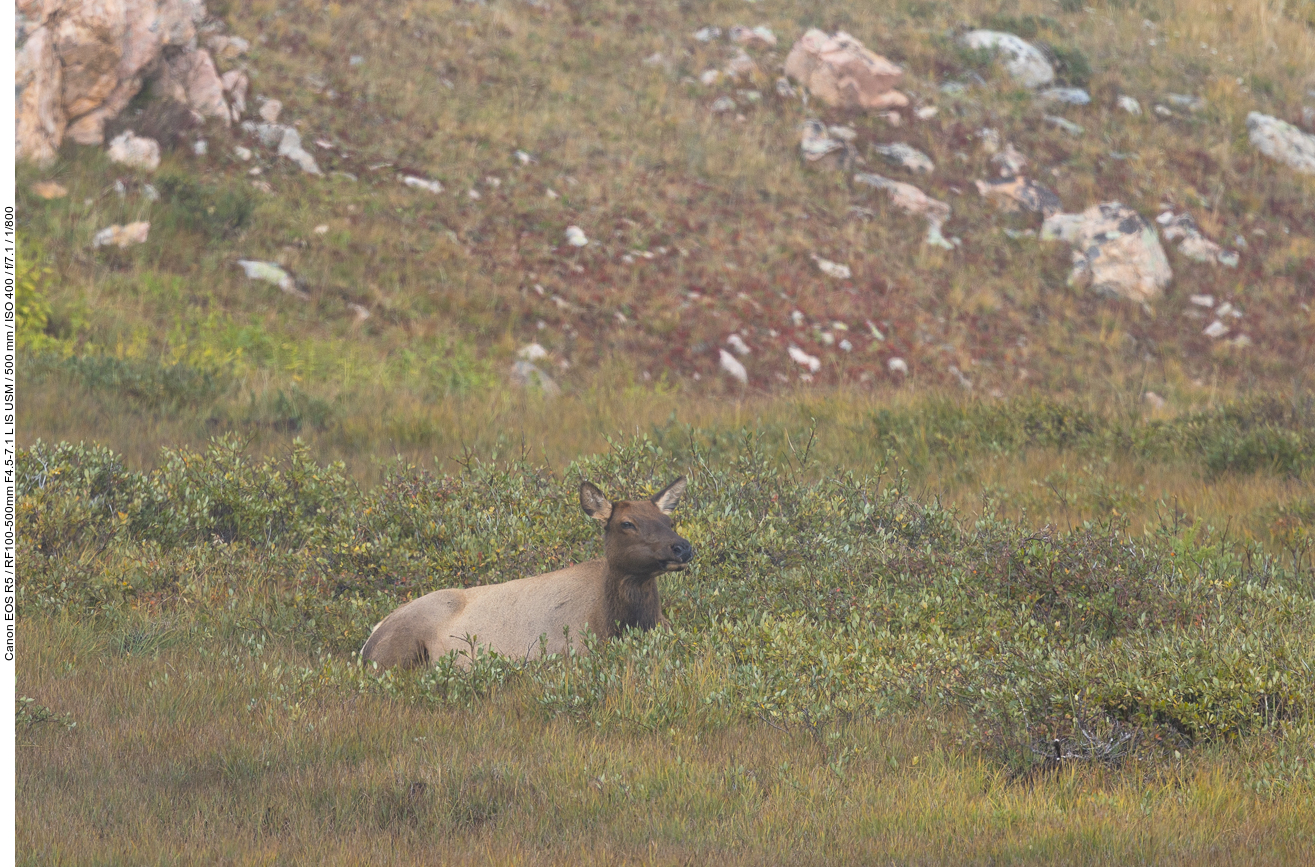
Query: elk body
x=523 y=617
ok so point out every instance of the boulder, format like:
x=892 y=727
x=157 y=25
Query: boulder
x=841 y=72
x=1281 y=141
x=121 y=236
x=1024 y=62
x=80 y=62
x=1115 y=251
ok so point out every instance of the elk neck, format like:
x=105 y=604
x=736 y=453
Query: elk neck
x=630 y=600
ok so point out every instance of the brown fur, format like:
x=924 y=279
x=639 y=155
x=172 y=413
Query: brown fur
x=545 y=612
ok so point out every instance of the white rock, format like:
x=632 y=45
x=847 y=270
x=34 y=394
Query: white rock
x=271 y=273
x=524 y=158
x=914 y=201
x=322 y=229
x=135 y=151
x=737 y=343
x=757 y=37
x=898 y=365
x=1065 y=96
x=803 y=359
x=709 y=77
x=201 y=148
x=707 y=34
x=816 y=141
x=1280 y=140
x=723 y=105
x=741 y=66
x=845 y=345
x=1025 y=62
x=575 y=236
x=1068 y=126
x=927 y=112
x=121 y=236
x=839 y=71
x=1155 y=400
x=832 y=269
x=732 y=366
x=532 y=352
x=1114 y=250
x=1215 y=330
x=1130 y=105
x=422 y=184
x=244 y=154
x=1206 y=301
x=271 y=110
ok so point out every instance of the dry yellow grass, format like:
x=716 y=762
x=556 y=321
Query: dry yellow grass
x=210 y=763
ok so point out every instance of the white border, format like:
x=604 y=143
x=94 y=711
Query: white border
x=8 y=440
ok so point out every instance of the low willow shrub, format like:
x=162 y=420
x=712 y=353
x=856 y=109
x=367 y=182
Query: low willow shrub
x=810 y=601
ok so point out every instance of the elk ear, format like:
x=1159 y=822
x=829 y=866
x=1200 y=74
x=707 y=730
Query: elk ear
x=595 y=503
x=669 y=497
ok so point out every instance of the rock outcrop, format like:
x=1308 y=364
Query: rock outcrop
x=841 y=72
x=1115 y=251
x=80 y=62
x=1280 y=140
x=1025 y=63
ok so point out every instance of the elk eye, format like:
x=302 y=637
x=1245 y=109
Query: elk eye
x=626 y=525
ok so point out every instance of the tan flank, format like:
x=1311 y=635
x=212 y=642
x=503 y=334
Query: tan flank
x=522 y=618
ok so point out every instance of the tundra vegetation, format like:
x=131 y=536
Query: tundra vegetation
x=1044 y=621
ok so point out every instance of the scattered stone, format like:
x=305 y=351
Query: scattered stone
x=1115 y=251
x=741 y=66
x=841 y=72
x=655 y=60
x=271 y=110
x=954 y=88
x=1065 y=124
x=524 y=158
x=272 y=273
x=1157 y=403
x=990 y=139
x=1280 y=140
x=723 y=105
x=733 y=367
x=361 y=312
x=1242 y=341
x=575 y=236
x=964 y=382
x=1206 y=301
x=1191 y=243
x=785 y=89
x=907 y=157
x=737 y=343
x=892 y=117
x=1227 y=309
x=914 y=201
x=201 y=148
x=321 y=229
x=1013 y=194
x=832 y=269
x=49 y=190
x=355 y=60
x=121 y=236
x=1163 y=111
x=927 y=112
x=135 y=151
x=422 y=184
x=1191 y=103
x=844 y=133
x=527 y=375
x=1130 y=105
x=1025 y=63
x=707 y=34
x=1215 y=330
x=803 y=359
x=1065 y=96
x=874 y=331
x=898 y=365
x=817 y=145
x=532 y=352
x=244 y=154
x=709 y=77
x=757 y=37
x=191 y=78
x=1009 y=161
x=288 y=141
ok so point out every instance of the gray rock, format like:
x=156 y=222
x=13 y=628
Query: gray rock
x=1281 y=141
x=1182 y=100
x=1065 y=96
x=1014 y=194
x=122 y=236
x=1025 y=63
x=1115 y=251
x=907 y=157
x=135 y=151
x=1130 y=105
x=1066 y=125
x=818 y=146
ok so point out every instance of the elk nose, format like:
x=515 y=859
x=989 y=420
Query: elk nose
x=683 y=550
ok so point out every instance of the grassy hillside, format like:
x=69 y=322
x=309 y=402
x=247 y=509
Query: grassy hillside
x=701 y=224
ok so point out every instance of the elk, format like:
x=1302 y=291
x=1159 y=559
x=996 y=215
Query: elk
x=528 y=616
